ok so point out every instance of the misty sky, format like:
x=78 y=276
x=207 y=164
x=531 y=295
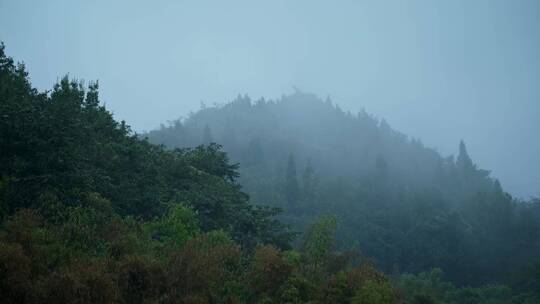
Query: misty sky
x=437 y=70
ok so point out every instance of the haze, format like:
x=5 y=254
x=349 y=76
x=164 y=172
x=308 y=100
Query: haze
x=440 y=71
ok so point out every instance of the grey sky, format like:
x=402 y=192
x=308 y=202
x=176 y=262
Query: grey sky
x=437 y=70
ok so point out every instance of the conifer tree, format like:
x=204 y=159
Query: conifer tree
x=464 y=162
x=92 y=96
x=308 y=181
x=291 y=182
x=207 y=135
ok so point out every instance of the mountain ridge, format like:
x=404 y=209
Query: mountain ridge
x=395 y=199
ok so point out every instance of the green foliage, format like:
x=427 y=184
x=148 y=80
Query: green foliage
x=397 y=201
x=173 y=229
x=15 y=272
x=140 y=279
x=268 y=271
x=374 y=293
x=291 y=183
x=86 y=213
x=422 y=299
x=211 y=160
x=430 y=287
x=528 y=278
x=58 y=149
x=342 y=286
x=309 y=183
x=203 y=264
x=297 y=289
x=292 y=258
x=80 y=283
x=320 y=240
x=426 y=283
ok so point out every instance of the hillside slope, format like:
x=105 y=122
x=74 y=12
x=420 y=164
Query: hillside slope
x=396 y=200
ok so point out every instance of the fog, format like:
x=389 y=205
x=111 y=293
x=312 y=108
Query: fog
x=440 y=72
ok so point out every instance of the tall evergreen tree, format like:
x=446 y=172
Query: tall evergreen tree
x=464 y=161
x=291 y=182
x=92 y=96
x=207 y=135
x=308 y=182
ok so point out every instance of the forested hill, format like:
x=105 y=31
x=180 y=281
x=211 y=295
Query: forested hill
x=92 y=213
x=318 y=133
x=396 y=200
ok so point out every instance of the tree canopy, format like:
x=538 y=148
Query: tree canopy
x=91 y=212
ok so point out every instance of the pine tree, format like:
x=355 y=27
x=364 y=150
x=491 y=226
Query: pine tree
x=207 y=135
x=291 y=182
x=464 y=162
x=92 y=96
x=309 y=181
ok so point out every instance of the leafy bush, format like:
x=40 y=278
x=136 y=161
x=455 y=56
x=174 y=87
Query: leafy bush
x=373 y=292
x=268 y=271
x=173 y=229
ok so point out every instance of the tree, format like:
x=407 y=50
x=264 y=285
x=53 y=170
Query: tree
x=464 y=161
x=320 y=240
x=375 y=293
x=309 y=182
x=207 y=135
x=291 y=183
x=268 y=271
x=92 y=96
x=174 y=228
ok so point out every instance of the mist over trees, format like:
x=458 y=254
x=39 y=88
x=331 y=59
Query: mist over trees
x=396 y=201
x=303 y=203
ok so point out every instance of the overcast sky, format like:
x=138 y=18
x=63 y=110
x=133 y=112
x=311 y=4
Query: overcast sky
x=440 y=71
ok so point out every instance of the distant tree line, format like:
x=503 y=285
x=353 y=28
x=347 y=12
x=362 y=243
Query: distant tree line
x=396 y=200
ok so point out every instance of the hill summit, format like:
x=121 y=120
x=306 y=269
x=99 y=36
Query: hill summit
x=396 y=200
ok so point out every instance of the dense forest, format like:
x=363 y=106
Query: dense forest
x=314 y=206
x=396 y=201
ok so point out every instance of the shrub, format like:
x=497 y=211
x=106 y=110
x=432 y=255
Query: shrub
x=81 y=283
x=268 y=271
x=140 y=279
x=15 y=274
x=373 y=292
x=203 y=265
